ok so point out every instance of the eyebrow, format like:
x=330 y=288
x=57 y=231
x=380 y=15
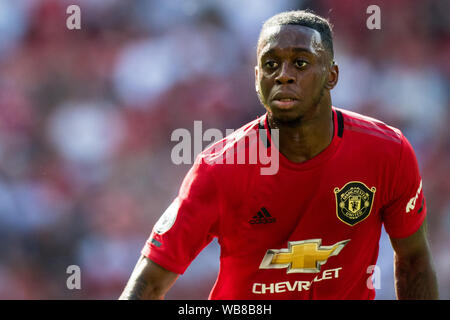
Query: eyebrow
x=295 y=49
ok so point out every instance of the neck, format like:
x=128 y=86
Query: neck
x=307 y=137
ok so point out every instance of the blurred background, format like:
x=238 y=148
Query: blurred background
x=86 y=118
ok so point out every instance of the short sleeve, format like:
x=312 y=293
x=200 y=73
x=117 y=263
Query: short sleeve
x=406 y=211
x=188 y=224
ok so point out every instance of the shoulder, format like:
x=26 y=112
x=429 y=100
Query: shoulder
x=214 y=166
x=370 y=129
x=378 y=141
x=216 y=169
x=224 y=150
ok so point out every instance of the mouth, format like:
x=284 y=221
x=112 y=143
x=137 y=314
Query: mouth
x=284 y=102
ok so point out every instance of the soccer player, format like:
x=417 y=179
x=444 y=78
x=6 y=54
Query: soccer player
x=311 y=230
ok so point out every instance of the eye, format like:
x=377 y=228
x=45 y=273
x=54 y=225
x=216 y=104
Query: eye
x=270 y=64
x=300 y=63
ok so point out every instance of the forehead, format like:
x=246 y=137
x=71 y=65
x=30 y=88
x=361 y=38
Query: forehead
x=285 y=37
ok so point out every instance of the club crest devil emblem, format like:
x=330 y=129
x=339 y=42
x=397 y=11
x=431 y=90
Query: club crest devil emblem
x=354 y=202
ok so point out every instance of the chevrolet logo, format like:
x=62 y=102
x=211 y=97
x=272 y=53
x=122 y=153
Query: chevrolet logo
x=304 y=256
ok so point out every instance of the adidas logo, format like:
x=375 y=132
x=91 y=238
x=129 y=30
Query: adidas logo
x=263 y=217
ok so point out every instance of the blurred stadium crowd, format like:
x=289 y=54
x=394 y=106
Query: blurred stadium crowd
x=86 y=118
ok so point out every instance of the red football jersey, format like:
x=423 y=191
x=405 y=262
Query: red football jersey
x=309 y=231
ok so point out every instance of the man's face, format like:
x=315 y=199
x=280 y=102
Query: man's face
x=292 y=72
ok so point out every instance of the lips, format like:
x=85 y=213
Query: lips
x=284 y=97
x=284 y=100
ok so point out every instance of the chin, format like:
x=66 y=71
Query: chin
x=289 y=118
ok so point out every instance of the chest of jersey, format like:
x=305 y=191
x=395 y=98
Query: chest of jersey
x=302 y=221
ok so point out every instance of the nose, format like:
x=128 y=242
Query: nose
x=285 y=76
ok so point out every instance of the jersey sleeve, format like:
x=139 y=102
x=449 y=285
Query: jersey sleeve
x=188 y=224
x=406 y=211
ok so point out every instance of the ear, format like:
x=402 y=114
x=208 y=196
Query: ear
x=333 y=76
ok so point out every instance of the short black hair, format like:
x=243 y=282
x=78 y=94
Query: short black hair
x=306 y=18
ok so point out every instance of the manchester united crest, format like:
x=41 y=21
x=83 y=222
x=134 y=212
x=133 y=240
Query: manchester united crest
x=354 y=202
